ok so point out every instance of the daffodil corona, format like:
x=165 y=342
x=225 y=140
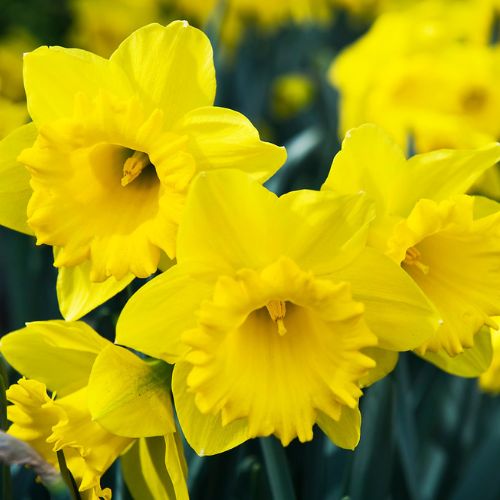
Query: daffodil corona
x=112 y=151
x=272 y=320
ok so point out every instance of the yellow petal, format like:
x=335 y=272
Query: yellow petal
x=154 y=468
x=386 y=362
x=128 y=396
x=471 y=362
x=77 y=294
x=241 y=213
x=490 y=379
x=15 y=190
x=155 y=317
x=89 y=449
x=45 y=349
x=204 y=433
x=223 y=138
x=439 y=175
x=171 y=66
x=369 y=161
x=396 y=310
x=345 y=432
x=333 y=229
x=53 y=76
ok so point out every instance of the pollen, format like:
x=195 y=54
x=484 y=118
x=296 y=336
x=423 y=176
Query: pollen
x=277 y=311
x=413 y=258
x=133 y=167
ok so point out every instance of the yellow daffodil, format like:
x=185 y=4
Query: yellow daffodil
x=425 y=74
x=272 y=314
x=291 y=93
x=447 y=242
x=113 y=147
x=95 y=384
x=236 y=15
x=101 y=26
x=12 y=48
x=12 y=116
x=489 y=381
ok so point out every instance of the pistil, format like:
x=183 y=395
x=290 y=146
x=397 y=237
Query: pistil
x=277 y=311
x=413 y=258
x=133 y=167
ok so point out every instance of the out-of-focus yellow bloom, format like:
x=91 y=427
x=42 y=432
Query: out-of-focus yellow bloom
x=425 y=74
x=12 y=48
x=369 y=8
x=272 y=314
x=489 y=381
x=101 y=26
x=111 y=153
x=291 y=93
x=236 y=15
x=447 y=242
x=130 y=397
x=13 y=112
x=12 y=115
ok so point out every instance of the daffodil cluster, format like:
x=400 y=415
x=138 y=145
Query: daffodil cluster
x=263 y=315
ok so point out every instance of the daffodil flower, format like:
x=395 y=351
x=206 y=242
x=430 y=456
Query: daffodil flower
x=449 y=243
x=103 y=171
x=273 y=314
x=94 y=383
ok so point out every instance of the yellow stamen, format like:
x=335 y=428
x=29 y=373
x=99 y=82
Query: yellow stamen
x=133 y=167
x=277 y=311
x=413 y=257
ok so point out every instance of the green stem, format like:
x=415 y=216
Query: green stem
x=277 y=469
x=4 y=424
x=68 y=477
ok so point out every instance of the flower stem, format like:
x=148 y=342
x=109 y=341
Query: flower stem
x=277 y=468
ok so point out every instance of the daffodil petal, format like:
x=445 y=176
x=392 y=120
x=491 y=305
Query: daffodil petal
x=471 y=362
x=345 y=432
x=223 y=138
x=386 y=362
x=396 y=310
x=15 y=190
x=204 y=432
x=171 y=66
x=45 y=349
x=53 y=76
x=155 y=317
x=439 y=175
x=334 y=228
x=77 y=294
x=129 y=396
x=154 y=468
x=227 y=218
x=369 y=161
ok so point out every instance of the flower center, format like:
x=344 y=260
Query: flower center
x=133 y=167
x=413 y=258
x=474 y=100
x=277 y=311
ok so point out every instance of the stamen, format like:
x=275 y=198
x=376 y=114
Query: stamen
x=277 y=311
x=412 y=258
x=133 y=167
